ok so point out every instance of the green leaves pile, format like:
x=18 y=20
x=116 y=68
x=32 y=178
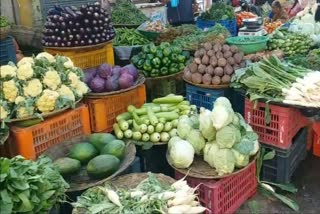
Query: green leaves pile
x=218 y=11
x=125 y=12
x=29 y=186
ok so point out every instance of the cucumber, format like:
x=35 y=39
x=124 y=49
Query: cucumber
x=167 y=126
x=159 y=127
x=124 y=116
x=124 y=125
x=117 y=131
x=128 y=134
x=155 y=137
x=143 y=128
x=145 y=137
x=150 y=129
x=136 y=135
x=152 y=117
x=164 y=137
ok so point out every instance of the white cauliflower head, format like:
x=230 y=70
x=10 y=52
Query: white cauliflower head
x=47 y=101
x=10 y=90
x=24 y=112
x=25 y=71
x=66 y=91
x=47 y=56
x=33 y=88
x=4 y=110
x=74 y=79
x=81 y=89
x=8 y=71
x=19 y=99
x=69 y=63
x=25 y=60
x=52 y=79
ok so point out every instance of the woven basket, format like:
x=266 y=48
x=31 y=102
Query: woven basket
x=81 y=180
x=129 y=181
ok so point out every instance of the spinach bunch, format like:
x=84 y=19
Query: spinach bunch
x=28 y=186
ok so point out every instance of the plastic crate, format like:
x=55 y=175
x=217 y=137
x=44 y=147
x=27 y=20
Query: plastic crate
x=316 y=139
x=281 y=168
x=230 y=25
x=46 y=5
x=310 y=137
x=162 y=86
x=284 y=125
x=32 y=141
x=7 y=51
x=103 y=111
x=89 y=57
x=204 y=97
x=226 y=195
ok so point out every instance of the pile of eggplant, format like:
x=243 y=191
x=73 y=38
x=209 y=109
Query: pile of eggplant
x=73 y=27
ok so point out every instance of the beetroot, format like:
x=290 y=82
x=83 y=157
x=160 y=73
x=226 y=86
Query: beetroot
x=97 y=84
x=104 y=71
x=125 y=81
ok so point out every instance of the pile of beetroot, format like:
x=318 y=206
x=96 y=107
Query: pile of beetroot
x=106 y=78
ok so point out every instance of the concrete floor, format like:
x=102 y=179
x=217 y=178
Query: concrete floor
x=307 y=180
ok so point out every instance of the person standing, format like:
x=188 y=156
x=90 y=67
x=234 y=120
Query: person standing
x=182 y=14
x=277 y=13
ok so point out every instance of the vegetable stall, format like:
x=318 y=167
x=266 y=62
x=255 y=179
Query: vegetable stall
x=122 y=112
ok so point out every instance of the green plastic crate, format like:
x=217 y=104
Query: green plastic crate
x=249 y=44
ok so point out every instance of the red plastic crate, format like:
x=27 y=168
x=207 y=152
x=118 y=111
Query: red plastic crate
x=226 y=195
x=284 y=125
x=316 y=139
x=32 y=141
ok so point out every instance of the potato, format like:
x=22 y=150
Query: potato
x=206 y=79
x=187 y=75
x=197 y=60
x=228 y=69
x=236 y=67
x=209 y=70
x=225 y=48
x=211 y=53
x=196 y=78
x=231 y=60
x=213 y=61
x=218 y=71
x=201 y=69
x=207 y=46
x=216 y=80
x=217 y=47
x=227 y=54
x=202 y=52
x=197 y=54
x=226 y=79
x=219 y=54
x=193 y=67
x=238 y=58
x=205 y=60
x=222 y=62
x=234 y=49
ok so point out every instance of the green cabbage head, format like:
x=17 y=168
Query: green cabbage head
x=224 y=161
x=228 y=136
x=241 y=160
x=209 y=151
x=181 y=154
x=206 y=127
x=196 y=139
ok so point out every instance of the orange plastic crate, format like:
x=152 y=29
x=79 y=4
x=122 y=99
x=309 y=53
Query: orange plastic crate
x=87 y=58
x=32 y=141
x=103 y=111
x=316 y=139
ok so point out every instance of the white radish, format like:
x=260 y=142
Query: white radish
x=179 y=184
x=166 y=195
x=114 y=198
x=136 y=194
x=183 y=200
x=179 y=209
x=196 y=210
x=267 y=186
x=194 y=203
x=144 y=198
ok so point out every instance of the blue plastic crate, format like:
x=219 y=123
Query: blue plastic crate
x=281 y=168
x=204 y=97
x=230 y=25
x=46 y=5
x=7 y=51
x=135 y=167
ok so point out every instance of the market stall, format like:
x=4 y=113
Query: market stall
x=223 y=107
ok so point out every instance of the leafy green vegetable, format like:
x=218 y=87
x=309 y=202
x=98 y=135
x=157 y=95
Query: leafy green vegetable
x=29 y=186
x=125 y=12
x=218 y=11
x=228 y=136
x=4 y=22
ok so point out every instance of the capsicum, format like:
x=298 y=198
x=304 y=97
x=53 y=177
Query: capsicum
x=147 y=65
x=145 y=49
x=181 y=58
x=174 y=57
x=159 y=54
x=153 y=49
x=164 y=71
x=166 y=61
x=140 y=64
x=167 y=51
x=150 y=56
x=176 y=50
x=156 y=62
x=154 y=73
x=164 y=45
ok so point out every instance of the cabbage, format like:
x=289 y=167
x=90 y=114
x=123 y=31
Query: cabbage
x=89 y=75
x=181 y=154
x=205 y=126
x=256 y=147
x=104 y=71
x=184 y=126
x=97 y=84
x=112 y=84
x=209 y=151
x=241 y=160
x=221 y=116
x=223 y=101
x=247 y=144
x=130 y=69
x=116 y=71
x=125 y=81
x=228 y=136
x=224 y=161
x=172 y=141
x=196 y=139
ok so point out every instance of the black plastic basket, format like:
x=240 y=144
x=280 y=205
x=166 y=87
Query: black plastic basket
x=281 y=168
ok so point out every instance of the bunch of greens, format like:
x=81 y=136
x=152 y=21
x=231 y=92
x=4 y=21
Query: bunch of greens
x=125 y=12
x=171 y=33
x=310 y=61
x=129 y=37
x=4 y=22
x=218 y=11
x=29 y=186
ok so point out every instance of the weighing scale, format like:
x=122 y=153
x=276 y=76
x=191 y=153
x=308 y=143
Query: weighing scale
x=252 y=27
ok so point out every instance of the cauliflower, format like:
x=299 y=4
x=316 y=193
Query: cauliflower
x=24 y=112
x=10 y=90
x=66 y=91
x=19 y=99
x=68 y=64
x=74 y=79
x=52 y=79
x=25 y=60
x=47 y=56
x=47 y=101
x=25 y=71
x=81 y=89
x=7 y=71
x=33 y=88
x=4 y=110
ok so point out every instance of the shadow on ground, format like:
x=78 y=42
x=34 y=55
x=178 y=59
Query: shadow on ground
x=307 y=180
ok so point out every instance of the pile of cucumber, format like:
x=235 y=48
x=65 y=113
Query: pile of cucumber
x=289 y=42
x=153 y=122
